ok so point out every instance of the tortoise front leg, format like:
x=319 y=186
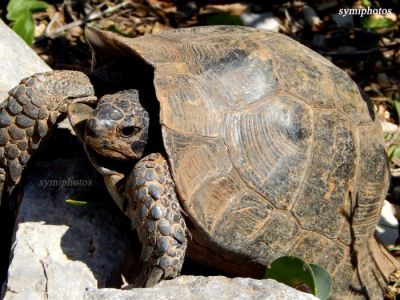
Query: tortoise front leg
x=154 y=208
x=29 y=113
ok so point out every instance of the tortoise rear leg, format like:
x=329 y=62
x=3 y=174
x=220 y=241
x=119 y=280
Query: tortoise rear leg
x=153 y=206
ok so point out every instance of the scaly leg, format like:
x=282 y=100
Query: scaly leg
x=154 y=209
x=30 y=112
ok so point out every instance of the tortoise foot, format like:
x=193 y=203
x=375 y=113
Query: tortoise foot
x=154 y=208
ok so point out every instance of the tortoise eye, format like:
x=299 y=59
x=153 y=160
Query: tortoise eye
x=129 y=131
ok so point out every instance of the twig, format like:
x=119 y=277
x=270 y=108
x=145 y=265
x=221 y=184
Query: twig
x=87 y=19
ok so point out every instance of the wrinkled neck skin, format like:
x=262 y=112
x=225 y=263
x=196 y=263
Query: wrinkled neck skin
x=114 y=178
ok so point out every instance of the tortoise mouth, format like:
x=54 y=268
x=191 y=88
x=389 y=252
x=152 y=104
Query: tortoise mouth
x=109 y=164
x=111 y=153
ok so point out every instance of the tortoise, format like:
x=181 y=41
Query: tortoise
x=231 y=145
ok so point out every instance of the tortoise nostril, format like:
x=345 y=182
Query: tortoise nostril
x=93 y=128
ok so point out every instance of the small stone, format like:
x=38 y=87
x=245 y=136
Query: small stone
x=311 y=17
x=388 y=127
x=156 y=212
x=265 y=21
x=162 y=244
x=343 y=20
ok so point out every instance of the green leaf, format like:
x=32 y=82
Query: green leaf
x=396 y=103
x=224 y=19
x=80 y=200
x=396 y=152
x=25 y=27
x=366 y=3
x=396 y=248
x=390 y=152
x=323 y=282
x=14 y=9
x=293 y=271
x=17 y=7
x=77 y=203
x=397 y=107
x=374 y=23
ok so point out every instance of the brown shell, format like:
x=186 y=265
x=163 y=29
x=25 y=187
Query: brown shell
x=273 y=149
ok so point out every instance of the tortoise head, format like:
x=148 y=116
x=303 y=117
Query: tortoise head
x=119 y=125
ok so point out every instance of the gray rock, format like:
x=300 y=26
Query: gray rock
x=387 y=229
x=60 y=250
x=265 y=21
x=17 y=60
x=343 y=20
x=207 y=288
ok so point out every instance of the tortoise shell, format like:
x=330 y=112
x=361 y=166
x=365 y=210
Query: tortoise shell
x=272 y=148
